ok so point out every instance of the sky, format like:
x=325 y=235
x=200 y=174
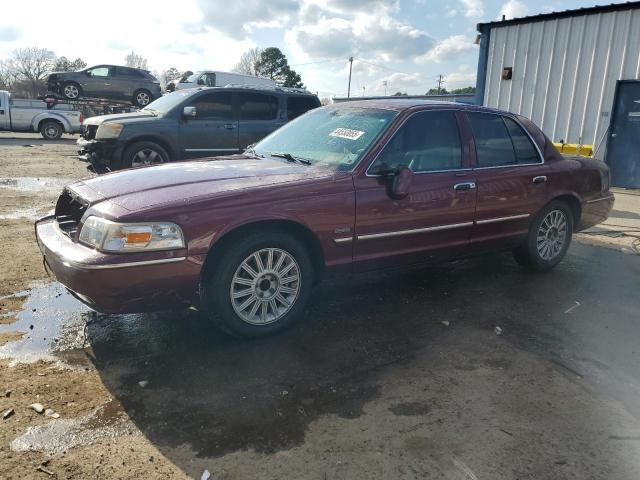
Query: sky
x=403 y=44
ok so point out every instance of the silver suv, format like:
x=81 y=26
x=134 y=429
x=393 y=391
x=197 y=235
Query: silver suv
x=107 y=81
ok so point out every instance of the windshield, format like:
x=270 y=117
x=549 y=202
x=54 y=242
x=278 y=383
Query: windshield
x=167 y=102
x=192 y=78
x=334 y=136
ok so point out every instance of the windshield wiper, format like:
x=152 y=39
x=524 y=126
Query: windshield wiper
x=251 y=151
x=289 y=157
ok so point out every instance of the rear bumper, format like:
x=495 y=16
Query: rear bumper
x=595 y=210
x=120 y=283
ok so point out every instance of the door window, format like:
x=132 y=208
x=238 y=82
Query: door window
x=258 y=106
x=427 y=142
x=99 y=72
x=296 y=106
x=526 y=152
x=493 y=143
x=216 y=106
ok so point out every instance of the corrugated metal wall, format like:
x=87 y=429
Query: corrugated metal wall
x=564 y=71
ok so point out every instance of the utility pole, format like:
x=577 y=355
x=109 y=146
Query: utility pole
x=385 y=83
x=440 y=83
x=350 y=67
x=363 y=89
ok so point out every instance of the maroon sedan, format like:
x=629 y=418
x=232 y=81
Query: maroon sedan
x=349 y=187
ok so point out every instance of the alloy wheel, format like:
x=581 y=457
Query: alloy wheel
x=71 y=91
x=146 y=156
x=265 y=286
x=142 y=98
x=552 y=235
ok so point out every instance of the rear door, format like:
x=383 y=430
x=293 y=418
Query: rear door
x=300 y=104
x=437 y=215
x=259 y=116
x=214 y=130
x=511 y=177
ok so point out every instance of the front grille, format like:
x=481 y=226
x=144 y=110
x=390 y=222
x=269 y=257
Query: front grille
x=89 y=132
x=69 y=211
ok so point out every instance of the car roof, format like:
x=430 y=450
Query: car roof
x=256 y=89
x=400 y=104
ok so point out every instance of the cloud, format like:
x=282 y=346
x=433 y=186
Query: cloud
x=399 y=82
x=366 y=35
x=449 y=49
x=513 y=9
x=473 y=8
x=9 y=33
x=462 y=78
x=236 y=19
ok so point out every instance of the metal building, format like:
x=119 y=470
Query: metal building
x=563 y=70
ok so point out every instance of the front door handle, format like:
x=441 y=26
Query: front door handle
x=464 y=186
x=229 y=126
x=539 y=179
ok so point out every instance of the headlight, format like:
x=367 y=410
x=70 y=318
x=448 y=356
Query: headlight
x=109 y=236
x=109 y=130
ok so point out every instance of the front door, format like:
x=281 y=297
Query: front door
x=623 y=147
x=437 y=215
x=214 y=129
x=98 y=81
x=259 y=116
x=511 y=177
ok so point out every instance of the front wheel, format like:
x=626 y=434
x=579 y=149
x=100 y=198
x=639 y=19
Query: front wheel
x=141 y=154
x=71 y=91
x=142 y=98
x=258 y=285
x=549 y=238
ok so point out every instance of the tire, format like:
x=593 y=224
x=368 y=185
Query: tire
x=140 y=154
x=71 y=91
x=272 y=308
x=51 y=130
x=548 y=239
x=142 y=98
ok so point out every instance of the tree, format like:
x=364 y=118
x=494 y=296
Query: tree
x=273 y=64
x=63 y=64
x=465 y=90
x=134 y=60
x=27 y=67
x=400 y=94
x=436 y=91
x=248 y=62
x=167 y=76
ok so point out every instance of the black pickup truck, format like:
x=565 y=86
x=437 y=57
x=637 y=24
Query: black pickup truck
x=199 y=122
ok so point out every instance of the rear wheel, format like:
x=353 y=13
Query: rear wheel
x=141 y=154
x=71 y=91
x=259 y=285
x=51 y=130
x=549 y=238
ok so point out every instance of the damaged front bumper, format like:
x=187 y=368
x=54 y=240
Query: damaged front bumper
x=99 y=154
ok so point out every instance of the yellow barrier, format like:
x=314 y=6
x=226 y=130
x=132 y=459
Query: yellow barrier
x=575 y=149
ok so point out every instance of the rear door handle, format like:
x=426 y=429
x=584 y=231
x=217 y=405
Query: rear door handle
x=464 y=186
x=229 y=126
x=540 y=179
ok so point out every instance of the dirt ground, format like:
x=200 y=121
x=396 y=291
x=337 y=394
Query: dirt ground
x=474 y=370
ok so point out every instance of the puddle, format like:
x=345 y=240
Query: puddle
x=30 y=213
x=35 y=183
x=60 y=435
x=53 y=320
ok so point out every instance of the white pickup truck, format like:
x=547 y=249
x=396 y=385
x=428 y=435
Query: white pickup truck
x=22 y=115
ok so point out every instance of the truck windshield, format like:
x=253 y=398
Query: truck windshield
x=334 y=136
x=167 y=102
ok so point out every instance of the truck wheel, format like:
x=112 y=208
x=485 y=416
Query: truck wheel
x=71 y=91
x=51 y=130
x=548 y=240
x=142 y=98
x=141 y=154
x=258 y=285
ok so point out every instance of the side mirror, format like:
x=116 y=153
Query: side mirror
x=87 y=73
x=189 y=112
x=399 y=183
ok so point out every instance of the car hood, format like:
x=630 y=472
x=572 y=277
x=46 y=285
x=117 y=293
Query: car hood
x=117 y=117
x=186 y=182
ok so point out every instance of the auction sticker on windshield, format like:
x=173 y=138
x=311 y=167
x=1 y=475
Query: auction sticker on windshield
x=346 y=133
